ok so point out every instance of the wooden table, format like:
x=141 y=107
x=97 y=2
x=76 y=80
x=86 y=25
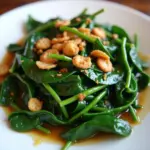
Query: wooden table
x=141 y=5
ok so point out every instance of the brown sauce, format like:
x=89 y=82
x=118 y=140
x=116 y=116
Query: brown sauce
x=54 y=137
x=40 y=137
x=7 y=60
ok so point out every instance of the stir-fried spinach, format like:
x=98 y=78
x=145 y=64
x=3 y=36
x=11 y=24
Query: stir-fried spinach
x=74 y=93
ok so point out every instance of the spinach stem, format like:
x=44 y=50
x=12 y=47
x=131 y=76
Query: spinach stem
x=67 y=145
x=118 y=40
x=78 y=33
x=13 y=67
x=99 y=109
x=113 y=111
x=86 y=109
x=99 y=45
x=57 y=98
x=126 y=64
x=60 y=57
x=133 y=114
x=84 y=25
x=85 y=93
x=97 y=13
x=43 y=27
x=14 y=106
x=43 y=129
x=87 y=38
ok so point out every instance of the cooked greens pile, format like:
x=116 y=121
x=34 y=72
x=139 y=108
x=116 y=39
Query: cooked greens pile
x=78 y=74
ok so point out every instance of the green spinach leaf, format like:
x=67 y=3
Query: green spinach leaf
x=41 y=76
x=103 y=78
x=69 y=86
x=123 y=95
x=121 y=32
x=9 y=91
x=101 y=123
x=28 y=89
x=22 y=123
x=15 y=48
x=43 y=117
x=31 y=24
x=143 y=78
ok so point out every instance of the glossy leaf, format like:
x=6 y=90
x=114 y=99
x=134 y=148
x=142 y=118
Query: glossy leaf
x=121 y=32
x=41 y=76
x=103 y=78
x=101 y=123
x=22 y=123
x=9 y=91
x=123 y=95
x=20 y=120
x=69 y=86
x=144 y=78
x=27 y=88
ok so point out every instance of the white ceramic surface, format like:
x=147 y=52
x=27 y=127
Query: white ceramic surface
x=11 y=30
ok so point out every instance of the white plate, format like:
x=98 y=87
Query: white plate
x=133 y=21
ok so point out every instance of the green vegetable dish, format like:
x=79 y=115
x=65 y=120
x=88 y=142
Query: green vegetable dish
x=75 y=73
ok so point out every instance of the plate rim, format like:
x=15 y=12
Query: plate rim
x=125 y=7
